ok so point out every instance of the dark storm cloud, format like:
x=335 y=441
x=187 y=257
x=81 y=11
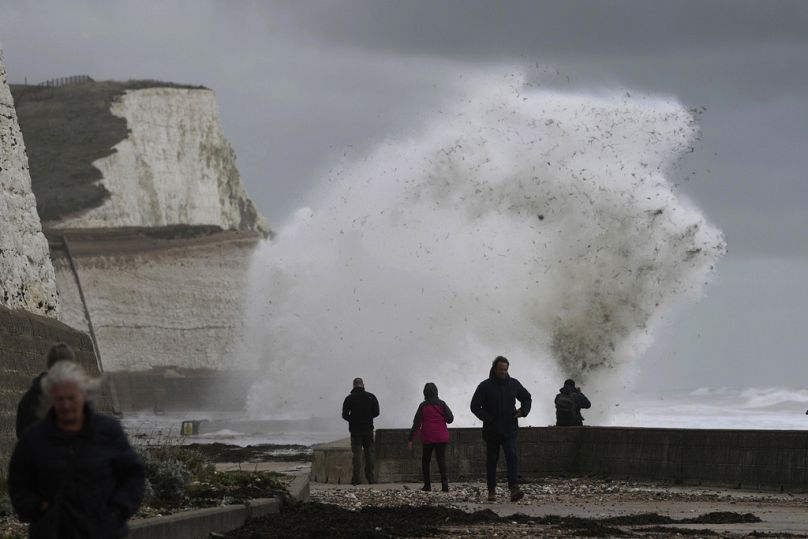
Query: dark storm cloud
x=484 y=29
x=743 y=61
x=299 y=82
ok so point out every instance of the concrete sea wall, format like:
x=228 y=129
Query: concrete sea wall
x=175 y=389
x=25 y=339
x=757 y=459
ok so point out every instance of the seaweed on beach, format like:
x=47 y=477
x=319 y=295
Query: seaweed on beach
x=219 y=452
x=316 y=520
x=325 y=520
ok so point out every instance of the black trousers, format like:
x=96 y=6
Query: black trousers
x=492 y=457
x=426 y=460
x=362 y=446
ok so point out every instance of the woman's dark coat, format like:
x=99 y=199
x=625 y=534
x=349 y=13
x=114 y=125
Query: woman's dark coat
x=28 y=409
x=92 y=480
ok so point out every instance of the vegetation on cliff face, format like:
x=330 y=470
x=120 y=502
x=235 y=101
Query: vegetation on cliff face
x=224 y=158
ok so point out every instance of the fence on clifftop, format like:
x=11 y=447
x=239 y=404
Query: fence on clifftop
x=64 y=81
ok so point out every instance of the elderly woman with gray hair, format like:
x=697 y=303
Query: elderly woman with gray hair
x=74 y=474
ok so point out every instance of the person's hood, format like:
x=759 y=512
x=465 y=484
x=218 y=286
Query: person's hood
x=566 y=390
x=357 y=389
x=430 y=391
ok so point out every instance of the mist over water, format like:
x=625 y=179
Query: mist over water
x=533 y=224
x=766 y=408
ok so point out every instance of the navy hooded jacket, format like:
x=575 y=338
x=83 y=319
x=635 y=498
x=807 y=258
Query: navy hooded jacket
x=494 y=403
x=28 y=409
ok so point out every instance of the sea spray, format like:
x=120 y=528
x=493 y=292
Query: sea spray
x=533 y=224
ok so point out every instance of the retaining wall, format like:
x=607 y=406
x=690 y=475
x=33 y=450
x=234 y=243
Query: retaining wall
x=757 y=459
x=25 y=339
x=204 y=523
x=173 y=389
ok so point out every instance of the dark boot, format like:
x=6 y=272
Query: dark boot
x=516 y=493
x=444 y=485
x=427 y=487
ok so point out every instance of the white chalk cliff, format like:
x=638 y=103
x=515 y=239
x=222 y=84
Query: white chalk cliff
x=26 y=273
x=174 y=167
x=150 y=252
x=156 y=302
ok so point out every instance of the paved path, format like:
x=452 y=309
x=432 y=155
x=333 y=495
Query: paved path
x=287 y=468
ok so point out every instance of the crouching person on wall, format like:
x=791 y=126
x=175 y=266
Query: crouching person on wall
x=74 y=474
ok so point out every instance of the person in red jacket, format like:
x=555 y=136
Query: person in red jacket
x=431 y=419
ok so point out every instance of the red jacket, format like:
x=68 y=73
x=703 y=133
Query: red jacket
x=431 y=418
x=433 y=426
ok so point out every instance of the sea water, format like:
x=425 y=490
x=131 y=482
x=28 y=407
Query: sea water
x=772 y=408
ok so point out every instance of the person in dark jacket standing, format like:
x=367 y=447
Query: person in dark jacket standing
x=431 y=420
x=359 y=409
x=494 y=403
x=74 y=474
x=568 y=404
x=31 y=407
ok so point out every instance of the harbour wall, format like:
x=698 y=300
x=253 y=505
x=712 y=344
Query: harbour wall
x=750 y=459
x=25 y=339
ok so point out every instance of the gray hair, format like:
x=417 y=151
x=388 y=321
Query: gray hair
x=69 y=371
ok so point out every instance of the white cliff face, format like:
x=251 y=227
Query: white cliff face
x=26 y=273
x=175 y=167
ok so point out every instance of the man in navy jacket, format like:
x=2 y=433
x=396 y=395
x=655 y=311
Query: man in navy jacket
x=494 y=403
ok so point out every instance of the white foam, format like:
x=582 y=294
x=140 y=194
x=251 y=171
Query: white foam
x=527 y=223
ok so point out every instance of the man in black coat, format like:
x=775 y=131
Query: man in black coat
x=494 y=403
x=568 y=404
x=359 y=409
x=30 y=409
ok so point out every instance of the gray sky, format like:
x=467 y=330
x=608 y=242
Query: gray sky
x=301 y=83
